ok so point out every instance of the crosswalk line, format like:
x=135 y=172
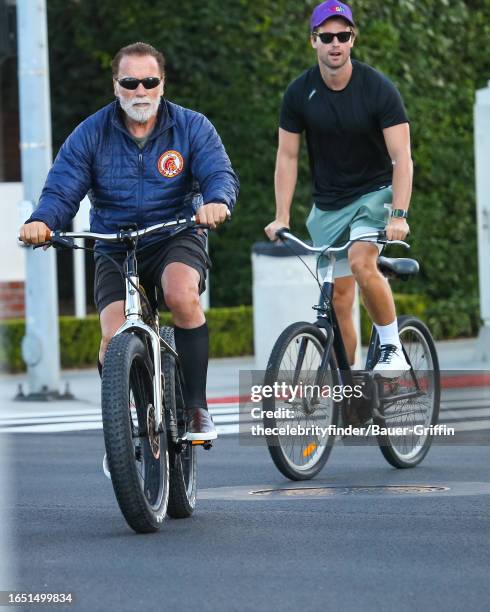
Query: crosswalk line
x=226 y=416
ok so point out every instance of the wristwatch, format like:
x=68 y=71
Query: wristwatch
x=399 y=213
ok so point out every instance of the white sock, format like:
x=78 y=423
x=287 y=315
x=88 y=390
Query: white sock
x=388 y=334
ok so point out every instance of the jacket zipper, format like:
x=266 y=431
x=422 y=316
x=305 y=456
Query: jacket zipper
x=140 y=183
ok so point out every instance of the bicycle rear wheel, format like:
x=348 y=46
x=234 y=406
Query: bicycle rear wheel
x=295 y=362
x=137 y=455
x=183 y=465
x=416 y=414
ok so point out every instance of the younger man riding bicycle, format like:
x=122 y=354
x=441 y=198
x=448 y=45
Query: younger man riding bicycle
x=359 y=150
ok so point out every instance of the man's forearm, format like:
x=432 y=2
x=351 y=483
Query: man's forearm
x=402 y=183
x=285 y=183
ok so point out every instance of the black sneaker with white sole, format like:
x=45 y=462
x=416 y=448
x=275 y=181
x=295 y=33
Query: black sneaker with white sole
x=391 y=362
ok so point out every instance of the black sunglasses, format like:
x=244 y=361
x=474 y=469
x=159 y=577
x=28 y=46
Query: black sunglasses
x=327 y=37
x=131 y=83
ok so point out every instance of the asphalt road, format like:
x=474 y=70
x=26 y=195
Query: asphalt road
x=347 y=551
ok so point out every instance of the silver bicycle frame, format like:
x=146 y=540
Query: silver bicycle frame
x=133 y=312
x=134 y=321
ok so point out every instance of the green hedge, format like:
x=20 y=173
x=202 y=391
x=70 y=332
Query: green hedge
x=405 y=304
x=452 y=318
x=230 y=329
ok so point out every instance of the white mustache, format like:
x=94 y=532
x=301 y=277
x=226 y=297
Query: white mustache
x=142 y=100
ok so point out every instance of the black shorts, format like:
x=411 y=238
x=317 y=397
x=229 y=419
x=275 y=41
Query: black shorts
x=186 y=248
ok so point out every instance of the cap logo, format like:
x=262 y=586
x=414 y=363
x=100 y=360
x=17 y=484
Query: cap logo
x=170 y=164
x=337 y=9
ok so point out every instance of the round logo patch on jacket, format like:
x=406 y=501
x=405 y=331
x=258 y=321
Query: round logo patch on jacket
x=170 y=164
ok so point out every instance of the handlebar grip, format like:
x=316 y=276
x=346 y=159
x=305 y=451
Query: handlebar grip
x=280 y=232
x=49 y=235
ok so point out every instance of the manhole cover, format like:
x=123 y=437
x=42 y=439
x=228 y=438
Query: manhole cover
x=352 y=490
x=266 y=492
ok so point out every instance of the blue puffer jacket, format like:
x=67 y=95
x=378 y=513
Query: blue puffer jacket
x=182 y=166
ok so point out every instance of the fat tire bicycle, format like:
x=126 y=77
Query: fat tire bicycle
x=153 y=467
x=312 y=356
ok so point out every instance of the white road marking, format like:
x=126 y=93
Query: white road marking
x=48 y=419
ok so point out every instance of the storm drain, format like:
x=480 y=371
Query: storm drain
x=351 y=490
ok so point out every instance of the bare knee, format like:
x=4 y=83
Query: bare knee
x=180 y=285
x=363 y=263
x=182 y=298
x=364 y=270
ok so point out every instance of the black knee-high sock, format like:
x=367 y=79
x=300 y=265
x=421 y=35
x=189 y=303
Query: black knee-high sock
x=193 y=349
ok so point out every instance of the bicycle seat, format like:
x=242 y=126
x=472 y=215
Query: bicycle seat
x=399 y=267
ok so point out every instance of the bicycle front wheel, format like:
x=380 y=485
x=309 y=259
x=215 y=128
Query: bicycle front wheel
x=299 y=418
x=137 y=454
x=183 y=464
x=413 y=415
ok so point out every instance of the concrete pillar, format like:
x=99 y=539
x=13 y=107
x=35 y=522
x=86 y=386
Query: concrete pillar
x=482 y=173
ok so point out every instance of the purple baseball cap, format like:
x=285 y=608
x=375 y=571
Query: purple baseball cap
x=327 y=10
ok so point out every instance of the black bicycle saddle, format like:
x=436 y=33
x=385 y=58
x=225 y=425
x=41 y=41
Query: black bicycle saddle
x=400 y=267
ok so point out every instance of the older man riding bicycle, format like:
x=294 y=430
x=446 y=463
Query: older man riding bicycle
x=143 y=160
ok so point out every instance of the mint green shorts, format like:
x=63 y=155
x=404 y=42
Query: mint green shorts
x=335 y=227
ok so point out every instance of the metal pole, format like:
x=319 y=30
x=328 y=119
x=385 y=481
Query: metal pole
x=40 y=346
x=81 y=223
x=79 y=278
x=482 y=163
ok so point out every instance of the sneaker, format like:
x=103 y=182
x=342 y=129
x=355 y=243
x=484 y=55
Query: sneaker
x=105 y=467
x=391 y=362
x=200 y=426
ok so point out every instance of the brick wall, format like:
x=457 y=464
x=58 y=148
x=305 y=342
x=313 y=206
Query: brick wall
x=12 y=300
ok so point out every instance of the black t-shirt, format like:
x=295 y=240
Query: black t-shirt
x=346 y=148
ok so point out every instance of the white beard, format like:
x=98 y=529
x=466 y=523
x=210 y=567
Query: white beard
x=138 y=114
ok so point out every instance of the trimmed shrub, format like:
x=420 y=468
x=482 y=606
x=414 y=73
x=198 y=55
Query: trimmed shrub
x=230 y=329
x=453 y=318
x=405 y=304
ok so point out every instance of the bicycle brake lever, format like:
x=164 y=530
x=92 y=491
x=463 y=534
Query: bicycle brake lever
x=61 y=242
x=280 y=232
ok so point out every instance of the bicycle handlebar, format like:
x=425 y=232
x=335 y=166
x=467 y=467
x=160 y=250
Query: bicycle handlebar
x=379 y=237
x=63 y=238
x=125 y=234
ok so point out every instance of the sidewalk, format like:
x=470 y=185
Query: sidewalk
x=456 y=358
x=460 y=355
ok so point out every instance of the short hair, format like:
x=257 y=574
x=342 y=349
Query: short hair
x=138 y=48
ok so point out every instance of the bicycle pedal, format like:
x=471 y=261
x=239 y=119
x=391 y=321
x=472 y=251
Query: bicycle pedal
x=206 y=444
x=199 y=442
